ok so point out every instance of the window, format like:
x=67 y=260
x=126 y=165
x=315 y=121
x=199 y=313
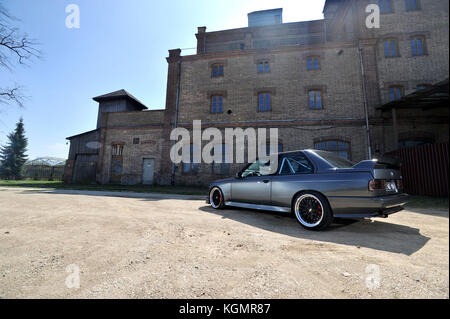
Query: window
x=188 y=166
x=417 y=45
x=117 y=149
x=395 y=93
x=216 y=104
x=136 y=140
x=390 y=48
x=264 y=102
x=263 y=67
x=315 y=99
x=217 y=70
x=339 y=148
x=221 y=168
x=412 y=5
x=258 y=168
x=385 y=6
x=295 y=163
x=313 y=63
x=335 y=160
x=421 y=87
x=413 y=143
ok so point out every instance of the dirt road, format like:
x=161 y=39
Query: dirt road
x=178 y=248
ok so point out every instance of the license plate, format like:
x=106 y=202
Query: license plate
x=391 y=187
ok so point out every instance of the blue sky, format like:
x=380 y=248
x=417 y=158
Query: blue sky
x=120 y=44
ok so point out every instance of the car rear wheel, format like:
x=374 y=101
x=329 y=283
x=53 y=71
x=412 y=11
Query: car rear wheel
x=216 y=198
x=312 y=211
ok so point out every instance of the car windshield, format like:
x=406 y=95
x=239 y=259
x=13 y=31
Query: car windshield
x=335 y=160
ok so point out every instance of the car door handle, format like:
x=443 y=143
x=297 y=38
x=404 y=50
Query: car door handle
x=266 y=181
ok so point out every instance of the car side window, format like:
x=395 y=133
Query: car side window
x=258 y=168
x=285 y=168
x=298 y=163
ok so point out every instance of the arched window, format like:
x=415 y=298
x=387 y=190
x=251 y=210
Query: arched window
x=340 y=148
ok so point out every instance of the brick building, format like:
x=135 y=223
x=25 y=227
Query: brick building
x=327 y=84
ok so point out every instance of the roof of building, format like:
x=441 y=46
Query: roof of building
x=84 y=133
x=47 y=161
x=266 y=11
x=119 y=94
x=432 y=97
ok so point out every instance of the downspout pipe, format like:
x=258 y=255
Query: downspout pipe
x=175 y=122
x=363 y=75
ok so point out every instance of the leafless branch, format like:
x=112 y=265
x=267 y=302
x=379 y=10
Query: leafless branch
x=15 y=48
x=14 y=95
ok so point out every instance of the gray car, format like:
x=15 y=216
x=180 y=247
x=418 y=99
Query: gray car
x=316 y=186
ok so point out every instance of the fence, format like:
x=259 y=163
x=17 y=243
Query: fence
x=425 y=169
x=44 y=172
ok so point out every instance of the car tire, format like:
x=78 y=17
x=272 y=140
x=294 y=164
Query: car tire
x=312 y=211
x=216 y=198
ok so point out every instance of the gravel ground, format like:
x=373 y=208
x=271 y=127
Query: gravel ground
x=171 y=247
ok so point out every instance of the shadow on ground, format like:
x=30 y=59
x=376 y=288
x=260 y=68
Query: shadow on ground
x=374 y=234
x=124 y=194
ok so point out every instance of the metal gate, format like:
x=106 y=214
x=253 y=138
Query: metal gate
x=424 y=169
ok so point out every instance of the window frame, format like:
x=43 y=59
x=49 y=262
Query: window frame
x=417 y=8
x=211 y=101
x=313 y=58
x=193 y=167
x=337 y=140
x=219 y=66
x=396 y=45
x=393 y=87
x=264 y=63
x=223 y=163
x=414 y=39
x=265 y=93
x=391 y=6
x=117 y=149
x=320 y=91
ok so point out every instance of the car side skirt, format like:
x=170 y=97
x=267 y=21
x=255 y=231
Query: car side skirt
x=259 y=207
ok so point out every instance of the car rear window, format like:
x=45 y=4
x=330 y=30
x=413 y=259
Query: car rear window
x=335 y=160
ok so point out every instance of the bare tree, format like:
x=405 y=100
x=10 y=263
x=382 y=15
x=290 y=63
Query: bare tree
x=16 y=48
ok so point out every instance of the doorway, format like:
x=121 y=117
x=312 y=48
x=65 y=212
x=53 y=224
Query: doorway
x=148 y=171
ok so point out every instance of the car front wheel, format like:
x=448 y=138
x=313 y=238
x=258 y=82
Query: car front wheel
x=216 y=198
x=312 y=211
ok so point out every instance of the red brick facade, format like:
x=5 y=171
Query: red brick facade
x=340 y=42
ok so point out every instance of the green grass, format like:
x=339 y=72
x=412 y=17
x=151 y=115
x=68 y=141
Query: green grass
x=427 y=202
x=181 y=190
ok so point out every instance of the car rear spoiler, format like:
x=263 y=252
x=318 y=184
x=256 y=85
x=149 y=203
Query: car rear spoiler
x=382 y=162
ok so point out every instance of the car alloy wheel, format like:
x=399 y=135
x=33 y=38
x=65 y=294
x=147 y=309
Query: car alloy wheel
x=216 y=198
x=309 y=210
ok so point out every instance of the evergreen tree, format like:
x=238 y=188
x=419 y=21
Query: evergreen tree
x=12 y=155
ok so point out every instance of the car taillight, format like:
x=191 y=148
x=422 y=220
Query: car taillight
x=377 y=184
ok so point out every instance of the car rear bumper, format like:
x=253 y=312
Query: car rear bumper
x=359 y=207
